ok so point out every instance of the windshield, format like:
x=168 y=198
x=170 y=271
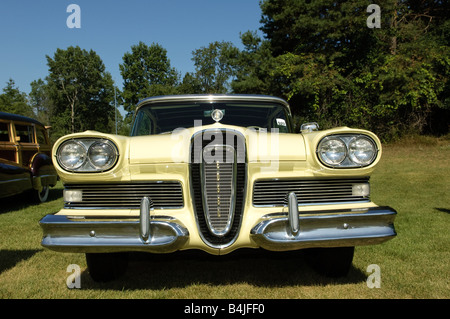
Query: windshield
x=164 y=118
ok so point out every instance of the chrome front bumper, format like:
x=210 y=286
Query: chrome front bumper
x=343 y=228
x=333 y=228
x=158 y=234
x=84 y=235
x=276 y=232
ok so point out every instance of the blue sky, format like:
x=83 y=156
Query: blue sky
x=32 y=29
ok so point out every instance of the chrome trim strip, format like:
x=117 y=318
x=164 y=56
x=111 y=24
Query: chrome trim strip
x=317 y=204
x=212 y=98
x=338 y=228
x=121 y=208
x=80 y=235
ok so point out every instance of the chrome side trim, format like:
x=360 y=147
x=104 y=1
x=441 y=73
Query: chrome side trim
x=326 y=229
x=81 y=235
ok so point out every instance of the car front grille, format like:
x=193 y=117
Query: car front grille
x=318 y=191
x=164 y=194
x=218 y=184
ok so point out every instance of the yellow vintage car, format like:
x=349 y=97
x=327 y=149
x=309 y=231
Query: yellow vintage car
x=216 y=173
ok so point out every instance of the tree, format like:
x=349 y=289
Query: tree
x=81 y=92
x=146 y=72
x=190 y=84
x=253 y=67
x=214 y=67
x=410 y=70
x=336 y=70
x=40 y=101
x=334 y=28
x=14 y=101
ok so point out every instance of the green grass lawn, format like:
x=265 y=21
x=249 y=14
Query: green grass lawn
x=413 y=178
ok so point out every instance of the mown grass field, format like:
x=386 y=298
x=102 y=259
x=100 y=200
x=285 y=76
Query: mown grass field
x=413 y=178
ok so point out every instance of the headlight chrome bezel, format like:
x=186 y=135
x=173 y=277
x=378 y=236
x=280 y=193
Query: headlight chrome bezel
x=350 y=160
x=88 y=165
x=64 y=147
x=331 y=143
x=353 y=154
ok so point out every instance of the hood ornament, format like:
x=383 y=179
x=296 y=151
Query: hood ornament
x=217 y=115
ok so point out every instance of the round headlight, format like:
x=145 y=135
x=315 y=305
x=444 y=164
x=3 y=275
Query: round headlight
x=102 y=155
x=332 y=150
x=362 y=150
x=72 y=155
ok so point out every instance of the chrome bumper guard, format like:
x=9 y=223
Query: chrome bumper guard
x=334 y=228
x=147 y=233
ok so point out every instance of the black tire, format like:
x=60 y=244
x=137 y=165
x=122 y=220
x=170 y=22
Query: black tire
x=107 y=266
x=42 y=196
x=331 y=262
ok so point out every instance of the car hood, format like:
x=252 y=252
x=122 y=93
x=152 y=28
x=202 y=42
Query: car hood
x=175 y=147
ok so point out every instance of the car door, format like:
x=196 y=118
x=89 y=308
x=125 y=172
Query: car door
x=27 y=146
x=8 y=148
x=14 y=178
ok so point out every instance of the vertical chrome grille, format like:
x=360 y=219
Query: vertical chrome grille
x=218 y=172
x=219 y=183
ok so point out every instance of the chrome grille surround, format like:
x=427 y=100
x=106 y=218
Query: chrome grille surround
x=231 y=166
x=164 y=194
x=274 y=192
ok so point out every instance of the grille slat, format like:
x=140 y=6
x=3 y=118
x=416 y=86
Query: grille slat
x=274 y=192
x=128 y=196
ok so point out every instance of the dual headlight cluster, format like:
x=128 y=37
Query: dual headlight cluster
x=87 y=155
x=347 y=151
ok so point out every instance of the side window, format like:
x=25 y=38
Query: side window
x=41 y=136
x=25 y=133
x=279 y=122
x=281 y=125
x=143 y=124
x=4 y=132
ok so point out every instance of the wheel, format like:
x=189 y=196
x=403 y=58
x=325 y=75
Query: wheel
x=104 y=267
x=331 y=262
x=42 y=196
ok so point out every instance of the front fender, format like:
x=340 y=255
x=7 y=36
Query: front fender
x=42 y=171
